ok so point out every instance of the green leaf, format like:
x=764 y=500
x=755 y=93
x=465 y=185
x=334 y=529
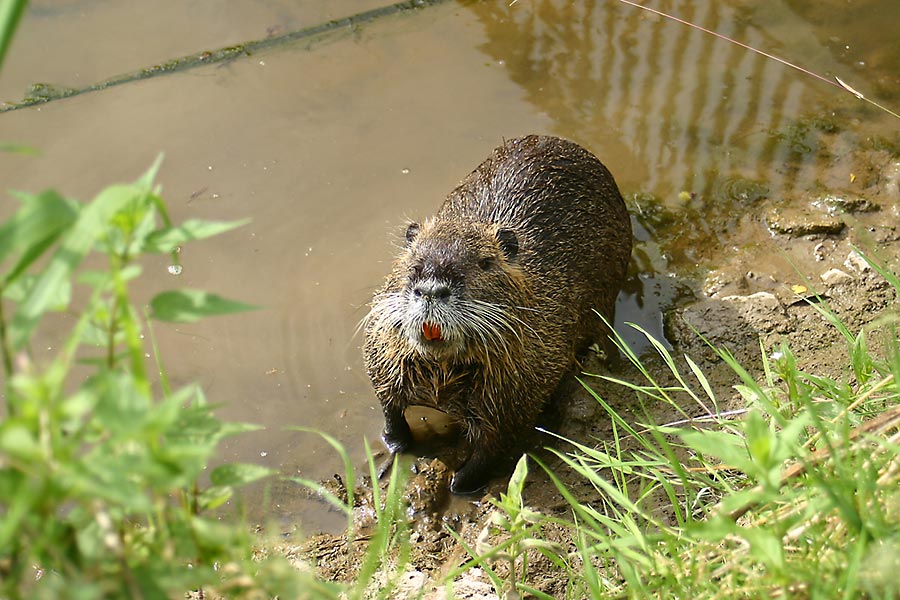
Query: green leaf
x=10 y=13
x=187 y=306
x=19 y=149
x=760 y=439
x=35 y=226
x=765 y=546
x=166 y=240
x=727 y=447
x=122 y=407
x=517 y=482
x=146 y=180
x=90 y=225
x=18 y=291
x=237 y=474
x=16 y=440
x=214 y=497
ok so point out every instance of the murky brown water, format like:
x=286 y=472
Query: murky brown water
x=329 y=145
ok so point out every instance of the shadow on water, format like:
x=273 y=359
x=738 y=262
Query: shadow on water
x=331 y=148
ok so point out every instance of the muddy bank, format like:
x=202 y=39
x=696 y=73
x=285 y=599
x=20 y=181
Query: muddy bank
x=754 y=296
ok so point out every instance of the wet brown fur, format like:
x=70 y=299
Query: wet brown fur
x=547 y=219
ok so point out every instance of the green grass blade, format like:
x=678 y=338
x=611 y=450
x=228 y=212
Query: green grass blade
x=10 y=14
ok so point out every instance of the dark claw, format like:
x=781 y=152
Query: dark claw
x=469 y=479
x=386 y=465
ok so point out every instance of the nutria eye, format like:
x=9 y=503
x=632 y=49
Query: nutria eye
x=486 y=263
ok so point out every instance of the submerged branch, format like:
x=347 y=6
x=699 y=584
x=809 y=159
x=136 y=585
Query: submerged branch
x=41 y=93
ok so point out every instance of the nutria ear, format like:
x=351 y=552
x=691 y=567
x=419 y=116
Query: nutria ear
x=411 y=232
x=509 y=243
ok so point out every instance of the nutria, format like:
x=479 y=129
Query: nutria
x=492 y=300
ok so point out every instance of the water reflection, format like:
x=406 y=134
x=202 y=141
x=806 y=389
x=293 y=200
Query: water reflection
x=692 y=109
x=706 y=129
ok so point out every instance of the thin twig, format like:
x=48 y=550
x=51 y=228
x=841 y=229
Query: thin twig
x=838 y=83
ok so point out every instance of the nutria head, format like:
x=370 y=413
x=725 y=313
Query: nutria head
x=452 y=292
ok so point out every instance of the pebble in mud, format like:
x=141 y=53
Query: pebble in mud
x=836 y=277
x=799 y=222
x=856 y=262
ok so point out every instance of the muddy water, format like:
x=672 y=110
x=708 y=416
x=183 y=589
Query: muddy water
x=330 y=144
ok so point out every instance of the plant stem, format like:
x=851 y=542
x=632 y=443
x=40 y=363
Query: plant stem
x=5 y=349
x=111 y=337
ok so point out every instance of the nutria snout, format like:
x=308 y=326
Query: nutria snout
x=492 y=299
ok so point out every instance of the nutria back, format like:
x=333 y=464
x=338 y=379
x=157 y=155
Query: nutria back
x=493 y=298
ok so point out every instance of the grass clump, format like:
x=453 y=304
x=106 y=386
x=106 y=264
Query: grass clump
x=99 y=459
x=798 y=494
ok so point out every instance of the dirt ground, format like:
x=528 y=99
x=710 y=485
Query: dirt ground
x=792 y=253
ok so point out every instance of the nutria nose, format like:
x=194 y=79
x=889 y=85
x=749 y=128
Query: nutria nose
x=432 y=290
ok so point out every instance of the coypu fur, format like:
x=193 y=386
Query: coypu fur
x=493 y=298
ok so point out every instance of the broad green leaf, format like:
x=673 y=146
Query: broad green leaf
x=187 y=306
x=727 y=447
x=10 y=13
x=34 y=227
x=122 y=407
x=237 y=474
x=214 y=497
x=18 y=291
x=166 y=240
x=17 y=441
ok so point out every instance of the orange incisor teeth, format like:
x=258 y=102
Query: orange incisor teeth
x=431 y=331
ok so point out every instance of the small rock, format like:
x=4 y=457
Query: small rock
x=732 y=318
x=856 y=262
x=471 y=585
x=823 y=249
x=845 y=203
x=762 y=311
x=800 y=222
x=835 y=277
x=411 y=584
